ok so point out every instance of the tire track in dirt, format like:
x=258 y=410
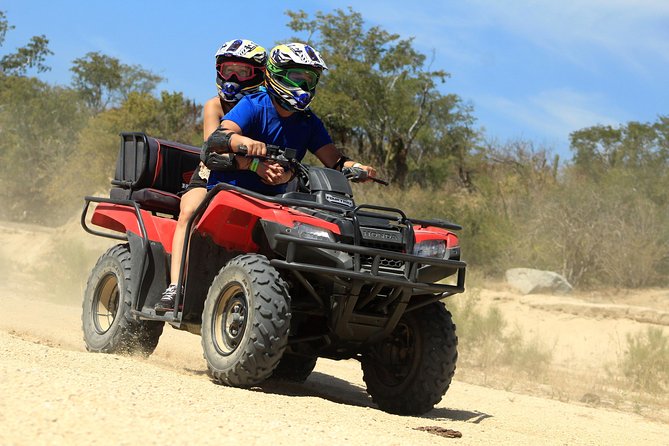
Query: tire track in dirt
x=60 y=394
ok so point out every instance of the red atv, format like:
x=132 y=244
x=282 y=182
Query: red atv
x=271 y=283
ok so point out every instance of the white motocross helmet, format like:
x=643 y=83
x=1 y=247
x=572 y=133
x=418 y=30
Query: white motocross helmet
x=240 y=69
x=293 y=71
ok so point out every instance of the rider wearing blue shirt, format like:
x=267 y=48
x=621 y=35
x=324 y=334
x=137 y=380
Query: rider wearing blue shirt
x=279 y=116
x=259 y=119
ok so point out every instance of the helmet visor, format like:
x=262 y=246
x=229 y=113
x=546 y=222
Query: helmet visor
x=243 y=71
x=303 y=78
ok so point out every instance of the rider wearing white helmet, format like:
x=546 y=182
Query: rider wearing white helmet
x=280 y=116
x=240 y=68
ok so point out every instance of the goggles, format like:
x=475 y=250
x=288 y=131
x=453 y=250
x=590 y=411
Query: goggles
x=299 y=77
x=243 y=71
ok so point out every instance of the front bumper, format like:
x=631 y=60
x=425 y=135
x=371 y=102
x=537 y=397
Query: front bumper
x=414 y=272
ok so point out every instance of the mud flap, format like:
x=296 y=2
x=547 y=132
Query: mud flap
x=148 y=273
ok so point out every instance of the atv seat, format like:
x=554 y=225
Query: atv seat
x=153 y=172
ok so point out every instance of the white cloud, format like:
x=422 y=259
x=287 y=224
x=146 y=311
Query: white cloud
x=630 y=30
x=554 y=113
x=634 y=32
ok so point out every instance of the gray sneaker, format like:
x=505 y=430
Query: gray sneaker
x=166 y=302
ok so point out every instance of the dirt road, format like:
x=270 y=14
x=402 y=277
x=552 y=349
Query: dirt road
x=53 y=392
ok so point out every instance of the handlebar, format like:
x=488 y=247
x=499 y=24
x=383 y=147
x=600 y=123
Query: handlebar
x=275 y=153
x=288 y=157
x=358 y=175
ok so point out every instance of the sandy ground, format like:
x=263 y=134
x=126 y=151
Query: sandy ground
x=53 y=392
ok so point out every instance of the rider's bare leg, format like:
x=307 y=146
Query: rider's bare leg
x=189 y=202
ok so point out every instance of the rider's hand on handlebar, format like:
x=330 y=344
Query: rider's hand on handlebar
x=363 y=177
x=357 y=173
x=253 y=147
x=371 y=172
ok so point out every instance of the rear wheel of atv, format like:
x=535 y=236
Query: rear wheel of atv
x=245 y=321
x=408 y=372
x=107 y=324
x=293 y=367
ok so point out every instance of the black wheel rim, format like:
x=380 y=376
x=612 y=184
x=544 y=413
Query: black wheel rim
x=230 y=316
x=105 y=303
x=395 y=357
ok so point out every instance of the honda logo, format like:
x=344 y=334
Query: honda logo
x=385 y=236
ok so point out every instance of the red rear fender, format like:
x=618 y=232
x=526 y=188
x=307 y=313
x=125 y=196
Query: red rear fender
x=121 y=218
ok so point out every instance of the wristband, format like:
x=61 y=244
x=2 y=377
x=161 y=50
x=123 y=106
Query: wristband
x=254 y=165
x=339 y=165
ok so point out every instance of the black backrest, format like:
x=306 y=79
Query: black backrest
x=147 y=162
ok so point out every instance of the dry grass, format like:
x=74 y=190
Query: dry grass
x=497 y=355
x=488 y=344
x=645 y=361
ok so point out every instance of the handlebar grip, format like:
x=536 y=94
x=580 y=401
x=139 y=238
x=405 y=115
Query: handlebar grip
x=358 y=175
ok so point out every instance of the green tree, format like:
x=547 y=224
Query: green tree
x=32 y=55
x=4 y=27
x=39 y=128
x=447 y=148
x=105 y=81
x=378 y=95
x=91 y=165
x=640 y=149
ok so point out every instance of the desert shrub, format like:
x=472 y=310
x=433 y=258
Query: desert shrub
x=591 y=232
x=529 y=355
x=39 y=125
x=486 y=342
x=646 y=360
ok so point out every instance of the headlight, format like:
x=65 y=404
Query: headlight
x=430 y=248
x=310 y=232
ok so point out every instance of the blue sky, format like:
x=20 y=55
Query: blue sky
x=535 y=70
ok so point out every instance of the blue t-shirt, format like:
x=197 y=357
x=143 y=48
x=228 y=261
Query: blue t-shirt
x=256 y=116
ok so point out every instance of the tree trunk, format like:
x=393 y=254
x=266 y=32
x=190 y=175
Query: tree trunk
x=396 y=160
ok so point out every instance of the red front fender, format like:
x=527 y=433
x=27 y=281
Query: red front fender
x=231 y=216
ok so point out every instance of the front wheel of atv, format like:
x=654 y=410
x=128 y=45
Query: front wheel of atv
x=408 y=372
x=106 y=321
x=245 y=321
